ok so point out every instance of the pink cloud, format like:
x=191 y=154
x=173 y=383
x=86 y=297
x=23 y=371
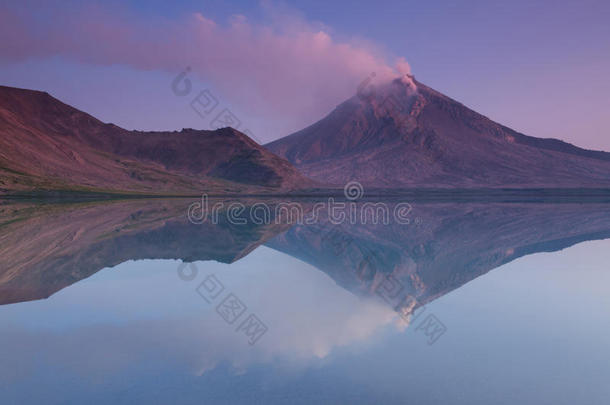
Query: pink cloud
x=289 y=68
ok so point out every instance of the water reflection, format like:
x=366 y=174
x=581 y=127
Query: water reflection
x=151 y=312
x=131 y=330
x=48 y=247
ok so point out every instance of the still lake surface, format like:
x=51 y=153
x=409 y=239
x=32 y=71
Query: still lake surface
x=468 y=303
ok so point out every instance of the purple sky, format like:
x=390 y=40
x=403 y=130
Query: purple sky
x=538 y=67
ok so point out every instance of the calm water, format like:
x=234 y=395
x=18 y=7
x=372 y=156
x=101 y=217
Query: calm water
x=464 y=304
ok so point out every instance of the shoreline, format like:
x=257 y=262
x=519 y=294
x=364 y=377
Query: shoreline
x=540 y=195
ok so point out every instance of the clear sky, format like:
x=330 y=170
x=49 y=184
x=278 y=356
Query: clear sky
x=540 y=67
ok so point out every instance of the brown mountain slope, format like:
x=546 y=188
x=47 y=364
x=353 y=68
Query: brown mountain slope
x=46 y=144
x=407 y=135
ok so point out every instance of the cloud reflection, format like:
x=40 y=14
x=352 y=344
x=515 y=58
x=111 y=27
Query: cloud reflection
x=142 y=313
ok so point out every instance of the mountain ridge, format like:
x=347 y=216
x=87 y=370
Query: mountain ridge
x=45 y=143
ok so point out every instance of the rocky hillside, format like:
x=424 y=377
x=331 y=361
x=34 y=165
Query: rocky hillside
x=48 y=145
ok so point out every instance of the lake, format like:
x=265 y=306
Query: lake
x=289 y=302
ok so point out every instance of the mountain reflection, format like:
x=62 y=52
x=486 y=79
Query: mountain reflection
x=47 y=247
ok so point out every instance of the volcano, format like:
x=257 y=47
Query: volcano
x=405 y=134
